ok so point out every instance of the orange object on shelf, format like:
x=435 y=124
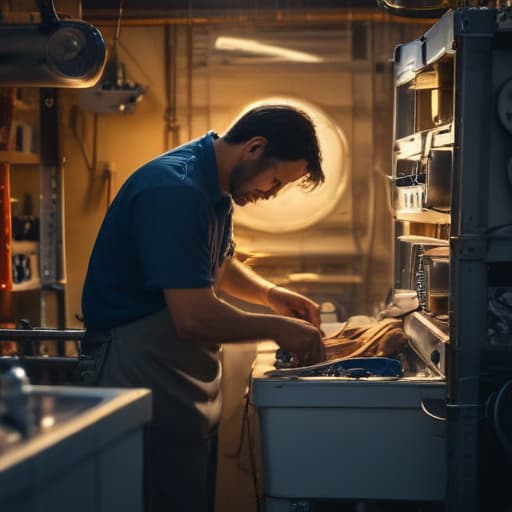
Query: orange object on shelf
x=5 y=229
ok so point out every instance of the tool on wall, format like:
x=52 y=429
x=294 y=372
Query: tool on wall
x=114 y=92
x=55 y=53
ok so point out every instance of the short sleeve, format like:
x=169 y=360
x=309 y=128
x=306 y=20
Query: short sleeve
x=170 y=228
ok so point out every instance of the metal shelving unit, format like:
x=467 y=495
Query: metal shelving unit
x=33 y=274
x=474 y=48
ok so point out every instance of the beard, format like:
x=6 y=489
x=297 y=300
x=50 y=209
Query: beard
x=242 y=174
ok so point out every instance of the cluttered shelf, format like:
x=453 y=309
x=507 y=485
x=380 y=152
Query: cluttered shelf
x=424 y=216
x=18 y=157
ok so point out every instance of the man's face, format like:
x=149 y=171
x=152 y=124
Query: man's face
x=261 y=178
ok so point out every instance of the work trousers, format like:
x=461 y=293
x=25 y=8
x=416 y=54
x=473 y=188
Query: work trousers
x=179 y=474
x=180 y=443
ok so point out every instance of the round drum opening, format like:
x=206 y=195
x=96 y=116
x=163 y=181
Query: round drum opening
x=295 y=208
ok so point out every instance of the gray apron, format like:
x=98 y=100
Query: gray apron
x=185 y=378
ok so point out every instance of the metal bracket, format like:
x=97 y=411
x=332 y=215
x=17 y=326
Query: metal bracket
x=469 y=247
x=300 y=506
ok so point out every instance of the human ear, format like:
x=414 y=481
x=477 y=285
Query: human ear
x=255 y=147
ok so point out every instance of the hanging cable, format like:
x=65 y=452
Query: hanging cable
x=190 y=52
x=76 y=118
x=118 y=25
x=170 y=77
x=117 y=32
x=117 y=71
x=246 y=427
x=134 y=60
x=252 y=457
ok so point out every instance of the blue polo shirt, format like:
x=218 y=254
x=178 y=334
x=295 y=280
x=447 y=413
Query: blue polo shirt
x=168 y=227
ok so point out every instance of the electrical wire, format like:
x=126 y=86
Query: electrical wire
x=246 y=426
x=503 y=437
x=498 y=228
x=119 y=74
x=108 y=179
x=75 y=118
x=430 y=414
x=118 y=24
x=252 y=458
x=134 y=60
x=117 y=43
x=92 y=163
x=238 y=452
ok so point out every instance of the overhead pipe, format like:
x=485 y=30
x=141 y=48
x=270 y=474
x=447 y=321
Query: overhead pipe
x=139 y=17
x=170 y=85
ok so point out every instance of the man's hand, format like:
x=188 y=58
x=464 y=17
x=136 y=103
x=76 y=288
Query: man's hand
x=302 y=339
x=288 y=303
x=200 y=316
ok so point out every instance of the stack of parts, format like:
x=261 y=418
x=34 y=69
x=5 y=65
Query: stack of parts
x=364 y=337
x=353 y=368
x=364 y=341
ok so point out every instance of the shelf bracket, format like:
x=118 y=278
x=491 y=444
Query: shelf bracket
x=469 y=247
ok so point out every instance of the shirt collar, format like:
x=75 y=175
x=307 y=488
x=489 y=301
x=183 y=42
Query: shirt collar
x=211 y=171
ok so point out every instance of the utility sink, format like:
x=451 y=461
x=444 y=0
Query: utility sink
x=84 y=442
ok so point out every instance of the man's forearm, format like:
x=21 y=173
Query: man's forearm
x=199 y=316
x=221 y=322
x=242 y=282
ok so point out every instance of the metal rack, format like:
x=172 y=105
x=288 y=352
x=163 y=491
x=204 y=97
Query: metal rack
x=478 y=368
x=35 y=176
x=44 y=369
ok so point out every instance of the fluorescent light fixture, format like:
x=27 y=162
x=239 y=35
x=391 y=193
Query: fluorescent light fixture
x=252 y=46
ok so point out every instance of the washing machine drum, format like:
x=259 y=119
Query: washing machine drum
x=296 y=208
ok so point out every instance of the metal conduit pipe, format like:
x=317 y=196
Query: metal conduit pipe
x=140 y=18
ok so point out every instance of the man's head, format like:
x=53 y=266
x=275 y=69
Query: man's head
x=278 y=146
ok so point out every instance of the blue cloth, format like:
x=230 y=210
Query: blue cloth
x=355 y=367
x=168 y=227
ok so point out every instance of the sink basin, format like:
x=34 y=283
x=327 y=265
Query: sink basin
x=86 y=442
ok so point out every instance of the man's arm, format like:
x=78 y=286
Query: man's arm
x=200 y=316
x=240 y=281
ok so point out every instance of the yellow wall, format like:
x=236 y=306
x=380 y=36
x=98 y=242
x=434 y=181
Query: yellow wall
x=124 y=142
x=207 y=97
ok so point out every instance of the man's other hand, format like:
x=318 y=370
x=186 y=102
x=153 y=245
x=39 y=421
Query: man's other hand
x=302 y=339
x=288 y=303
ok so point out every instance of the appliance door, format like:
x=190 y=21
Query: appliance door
x=438 y=177
x=408 y=266
x=417 y=8
x=436 y=265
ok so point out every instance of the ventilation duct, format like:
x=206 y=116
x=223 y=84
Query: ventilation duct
x=55 y=53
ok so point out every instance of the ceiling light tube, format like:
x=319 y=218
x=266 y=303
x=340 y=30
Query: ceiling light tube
x=252 y=46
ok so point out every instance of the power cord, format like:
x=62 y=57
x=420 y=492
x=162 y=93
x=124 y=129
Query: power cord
x=250 y=439
x=499 y=227
x=238 y=452
x=246 y=426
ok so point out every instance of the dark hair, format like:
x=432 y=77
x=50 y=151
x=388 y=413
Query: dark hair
x=290 y=135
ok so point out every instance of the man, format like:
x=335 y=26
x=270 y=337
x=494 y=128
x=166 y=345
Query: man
x=150 y=300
